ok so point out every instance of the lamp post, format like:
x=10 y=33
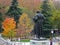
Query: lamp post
x=51 y=37
x=52 y=33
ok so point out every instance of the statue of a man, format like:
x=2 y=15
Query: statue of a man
x=38 y=19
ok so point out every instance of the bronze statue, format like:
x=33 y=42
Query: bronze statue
x=38 y=19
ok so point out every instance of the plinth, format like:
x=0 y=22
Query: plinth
x=39 y=42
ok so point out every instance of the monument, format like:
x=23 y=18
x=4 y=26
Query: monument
x=38 y=30
x=38 y=19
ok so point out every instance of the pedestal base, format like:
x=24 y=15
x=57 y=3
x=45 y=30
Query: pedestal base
x=41 y=42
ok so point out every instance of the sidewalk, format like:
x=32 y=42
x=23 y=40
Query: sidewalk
x=20 y=43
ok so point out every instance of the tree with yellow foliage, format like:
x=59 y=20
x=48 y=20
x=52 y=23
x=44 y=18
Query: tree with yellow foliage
x=8 y=25
x=25 y=24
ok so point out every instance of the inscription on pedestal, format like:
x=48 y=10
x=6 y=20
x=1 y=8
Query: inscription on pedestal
x=40 y=42
x=43 y=43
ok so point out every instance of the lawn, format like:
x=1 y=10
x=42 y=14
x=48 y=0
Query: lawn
x=25 y=40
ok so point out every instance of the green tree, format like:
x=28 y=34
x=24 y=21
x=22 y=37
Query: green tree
x=14 y=11
x=1 y=20
x=55 y=19
x=46 y=10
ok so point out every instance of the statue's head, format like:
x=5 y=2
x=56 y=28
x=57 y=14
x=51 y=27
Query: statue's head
x=35 y=18
x=39 y=16
x=38 y=12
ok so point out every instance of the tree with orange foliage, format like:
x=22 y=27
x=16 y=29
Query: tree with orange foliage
x=8 y=25
x=25 y=24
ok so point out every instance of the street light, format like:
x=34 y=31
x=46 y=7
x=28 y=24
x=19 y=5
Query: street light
x=52 y=32
x=51 y=37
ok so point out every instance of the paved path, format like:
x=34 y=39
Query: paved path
x=20 y=43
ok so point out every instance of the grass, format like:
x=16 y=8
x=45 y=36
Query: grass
x=25 y=40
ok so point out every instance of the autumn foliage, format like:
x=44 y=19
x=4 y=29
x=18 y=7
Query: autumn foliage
x=8 y=25
x=25 y=25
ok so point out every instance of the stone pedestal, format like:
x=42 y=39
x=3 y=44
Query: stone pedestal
x=40 y=42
